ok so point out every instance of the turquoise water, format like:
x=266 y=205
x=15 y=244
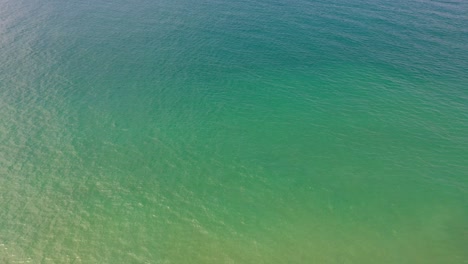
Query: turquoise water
x=244 y=131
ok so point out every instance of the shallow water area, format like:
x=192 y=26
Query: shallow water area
x=233 y=132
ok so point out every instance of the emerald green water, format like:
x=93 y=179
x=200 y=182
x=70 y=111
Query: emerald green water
x=233 y=132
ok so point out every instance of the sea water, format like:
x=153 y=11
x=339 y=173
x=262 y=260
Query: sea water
x=250 y=131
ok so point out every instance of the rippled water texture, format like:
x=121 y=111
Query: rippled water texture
x=246 y=131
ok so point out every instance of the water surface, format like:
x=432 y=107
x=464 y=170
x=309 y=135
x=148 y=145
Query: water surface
x=250 y=131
